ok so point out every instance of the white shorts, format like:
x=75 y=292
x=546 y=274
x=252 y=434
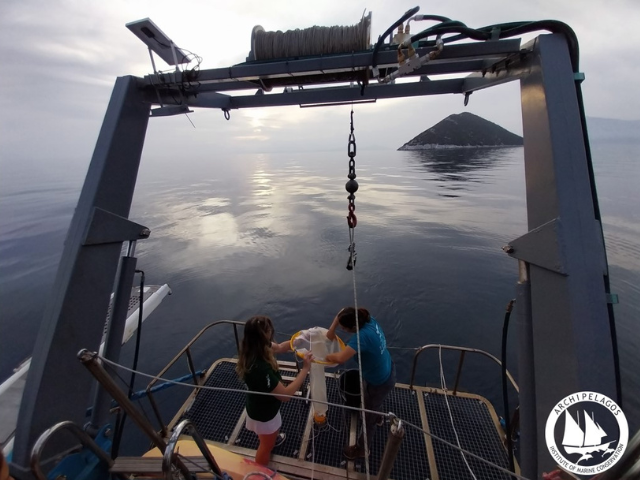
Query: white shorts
x=264 y=428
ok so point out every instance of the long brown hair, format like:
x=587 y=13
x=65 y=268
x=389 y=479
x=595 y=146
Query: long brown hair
x=256 y=344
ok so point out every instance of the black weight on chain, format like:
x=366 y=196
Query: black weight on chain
x=352 y=187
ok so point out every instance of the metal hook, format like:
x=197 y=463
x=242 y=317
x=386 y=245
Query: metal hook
x=227 y=115
x=466 y=98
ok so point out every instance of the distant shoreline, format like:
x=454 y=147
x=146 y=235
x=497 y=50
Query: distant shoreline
x=436 y=146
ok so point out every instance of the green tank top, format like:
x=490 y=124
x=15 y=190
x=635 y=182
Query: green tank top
x=261 y=377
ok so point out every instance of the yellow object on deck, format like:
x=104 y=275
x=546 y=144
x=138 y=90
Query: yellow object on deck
x=234 y=465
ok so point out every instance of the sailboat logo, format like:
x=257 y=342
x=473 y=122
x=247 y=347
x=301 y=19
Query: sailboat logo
x=587 y=441
x=586 y=433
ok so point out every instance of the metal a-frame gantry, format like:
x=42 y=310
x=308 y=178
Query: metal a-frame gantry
x=563 y=316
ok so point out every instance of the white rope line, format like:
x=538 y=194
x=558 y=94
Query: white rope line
x=443 y=384
x=313 y=443
x=293 y=397
x=352 y=237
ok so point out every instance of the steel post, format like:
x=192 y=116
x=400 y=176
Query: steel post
x=58 y=388
x=526 y=376
x=564 y=248
x=396 y=434
x=113 y=341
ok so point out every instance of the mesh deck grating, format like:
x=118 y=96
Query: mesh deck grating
x=215 y=413
x=411 y=462
x=328 y=441
x=476 y=432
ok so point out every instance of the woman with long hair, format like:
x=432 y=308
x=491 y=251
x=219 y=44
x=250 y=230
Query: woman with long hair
x=258 y=368
x=378 y=370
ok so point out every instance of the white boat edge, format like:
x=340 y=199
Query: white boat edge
x=11 y=389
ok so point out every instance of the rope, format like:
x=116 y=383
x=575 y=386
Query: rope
x=443 y=384
x=311 y=41
x=352 y=235
x=313 y=437
x=293 y=397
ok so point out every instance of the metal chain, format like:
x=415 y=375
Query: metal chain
x=352 y=187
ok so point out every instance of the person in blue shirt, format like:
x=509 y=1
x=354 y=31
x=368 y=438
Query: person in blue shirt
x=378 y=370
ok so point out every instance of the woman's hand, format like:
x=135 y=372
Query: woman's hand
x=306 y=361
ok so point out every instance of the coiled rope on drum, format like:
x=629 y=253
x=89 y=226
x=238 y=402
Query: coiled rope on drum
x=310 y=41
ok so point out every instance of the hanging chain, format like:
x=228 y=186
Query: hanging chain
x=352 y=187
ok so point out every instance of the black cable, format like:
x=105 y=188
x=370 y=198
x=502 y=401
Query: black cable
x=507 y=30
x=553 y=26
x=505 y=393
x=437 y=18
x=407 y=15
x=122 y=417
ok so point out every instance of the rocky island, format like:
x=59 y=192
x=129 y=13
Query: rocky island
x=463 y=130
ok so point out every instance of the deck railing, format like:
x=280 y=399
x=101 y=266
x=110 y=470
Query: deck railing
x=463 y=351
x=186 y=351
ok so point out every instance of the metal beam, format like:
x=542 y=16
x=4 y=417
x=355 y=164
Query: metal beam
x=506 y=70
x=460 y=66
x=329 y=95
x=339 y=63
x=58 y=388
x=570 y=333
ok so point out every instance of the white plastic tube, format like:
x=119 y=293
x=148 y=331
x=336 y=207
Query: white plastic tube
x=317 y=380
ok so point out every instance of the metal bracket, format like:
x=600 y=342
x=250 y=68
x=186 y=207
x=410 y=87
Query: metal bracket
x=106 y=227
x=170 y=110
x=542 y=246
x=612 y=298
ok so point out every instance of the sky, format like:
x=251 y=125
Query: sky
x=60 y=59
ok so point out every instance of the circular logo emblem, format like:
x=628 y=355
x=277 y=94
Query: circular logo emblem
x=586 y=433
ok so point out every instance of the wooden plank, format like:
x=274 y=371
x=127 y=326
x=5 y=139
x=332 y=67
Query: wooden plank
x=296 y=466
x=238 y=428
x=433 y=468
x=353 y=438
x=308 y=429
x=150 y=466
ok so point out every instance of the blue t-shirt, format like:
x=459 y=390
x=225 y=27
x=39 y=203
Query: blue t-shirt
x=376 y=361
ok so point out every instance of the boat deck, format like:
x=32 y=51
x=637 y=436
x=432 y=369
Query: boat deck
x=311 y=451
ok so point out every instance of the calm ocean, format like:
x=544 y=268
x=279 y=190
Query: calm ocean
x=239 y=235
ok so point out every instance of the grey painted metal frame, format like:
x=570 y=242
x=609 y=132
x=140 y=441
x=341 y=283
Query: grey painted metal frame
x=565 y=339
x=58 y=387
x=572 y=349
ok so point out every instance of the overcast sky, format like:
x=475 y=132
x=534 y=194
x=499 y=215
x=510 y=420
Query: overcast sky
x=60 y=59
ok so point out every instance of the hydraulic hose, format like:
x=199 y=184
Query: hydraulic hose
x=505 y=393
x=407 y=15
x=121 y=419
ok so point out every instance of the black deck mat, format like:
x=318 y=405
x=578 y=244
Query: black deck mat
x=327 y=441
x=476 y=432
x=216 y=413
x=412 y=462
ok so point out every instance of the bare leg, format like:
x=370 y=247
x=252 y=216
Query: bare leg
x=264 y=449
